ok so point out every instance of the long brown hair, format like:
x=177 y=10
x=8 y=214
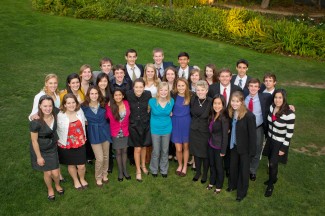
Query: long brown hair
x=187 y=96
x=100 y=99
x=214 y=70
x=242 y=110
x=284 y=107
x=40 y=113
x=64 y=101
x=113 y=105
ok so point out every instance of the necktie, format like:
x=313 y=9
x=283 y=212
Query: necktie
x=225 y=94
x=183 y=74
x=250 y=105
x=240 y=83
x=233 y=134
x=133 y=74
x=158 y=73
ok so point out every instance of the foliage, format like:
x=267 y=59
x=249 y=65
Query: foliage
x=236 y=26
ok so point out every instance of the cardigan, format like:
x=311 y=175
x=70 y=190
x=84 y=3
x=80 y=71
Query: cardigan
x=81 y=95
x=98 y=130
x=63 y=125
x=116 y=125
x=281 y=129
x=160 y=121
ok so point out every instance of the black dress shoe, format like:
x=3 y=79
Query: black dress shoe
x=154 y=175
x=230 y=189
x=127 y=177
x=239 y=199
x=252 y=177
x=269 y=191
x=203 y=181
x=119 y=179
x=109 y=171
x=267 y=182
x=164 y=175
x=193 y=168
x=51 y=197
x=195 y=179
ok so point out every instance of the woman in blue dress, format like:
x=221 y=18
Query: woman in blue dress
x=98 y=132
x=181 y=120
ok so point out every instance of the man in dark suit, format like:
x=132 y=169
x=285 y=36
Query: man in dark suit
x=226 y=89
x=259 y=105
x=184 y=69
x=160 y=64
x=241 y=79
x=133 y=70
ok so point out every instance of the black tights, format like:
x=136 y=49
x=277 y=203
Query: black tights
x=121 y=158
x=198 y=163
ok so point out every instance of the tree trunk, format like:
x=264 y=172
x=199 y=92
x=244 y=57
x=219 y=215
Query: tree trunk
x=265 y=4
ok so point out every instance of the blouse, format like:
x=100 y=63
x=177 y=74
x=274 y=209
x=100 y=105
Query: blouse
x=160 y=122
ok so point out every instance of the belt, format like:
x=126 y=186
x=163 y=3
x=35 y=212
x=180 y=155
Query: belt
x=261 y=125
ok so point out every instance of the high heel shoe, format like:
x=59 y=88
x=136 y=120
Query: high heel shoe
x=144 y=170
x=60 y=192
x=138 y=177
x=127 y=177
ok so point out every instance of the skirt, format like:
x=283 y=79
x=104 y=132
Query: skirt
x=120 y=143
x=74 y=156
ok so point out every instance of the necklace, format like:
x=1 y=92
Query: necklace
x=202 y=102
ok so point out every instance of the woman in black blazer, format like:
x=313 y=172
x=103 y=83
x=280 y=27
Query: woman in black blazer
x=242 y=144
x=218 y=141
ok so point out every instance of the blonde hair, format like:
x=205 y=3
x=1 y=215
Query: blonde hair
x=47 y=78
x=187 y=96
x=84 y=67
x=242 y=110
x=203 y=84
x=155 y=77
x=160 y=86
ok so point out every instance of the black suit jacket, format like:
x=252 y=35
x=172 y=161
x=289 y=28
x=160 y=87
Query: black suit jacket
x=245 y=89
x=140 y=66
x=219 y=133
x=246 y=134
x=215 y=89
x=166 y=65
x=265 y=102
x=189 y=70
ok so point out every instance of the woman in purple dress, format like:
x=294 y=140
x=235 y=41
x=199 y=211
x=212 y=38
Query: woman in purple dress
x=181 y=121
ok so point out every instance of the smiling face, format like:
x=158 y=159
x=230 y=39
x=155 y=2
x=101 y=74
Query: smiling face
x=235 y=103
x=138 y=88
x=278 y=99
x=86 y=74
x=209 y=72
x=46 y=107
x=150 y=72
x=52 y=85
x=183 y=61
x=118 y=96
x=201 y=92
x=93 y=95
x=103 y=83
x=106 y=67
x=195 y=77
x=225 y=78
x=241 y=69
x=253 y=89
x=217 y=105
x=119 y=75
x=269 y=83
x=181 y=87
x=170 y=76
x=131 y=58
x=74 y=84
x=163 y=92
x=70 y=105
x=158 y=57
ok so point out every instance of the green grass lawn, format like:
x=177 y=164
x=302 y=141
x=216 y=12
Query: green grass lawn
x=34 y=44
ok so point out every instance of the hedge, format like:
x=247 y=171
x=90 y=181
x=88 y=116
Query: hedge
x=236 y=26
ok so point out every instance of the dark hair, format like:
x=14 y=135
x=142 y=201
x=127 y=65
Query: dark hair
x=223 y=112
x=113 y=105
x=100 y=99
x=269 y=75
x=254 y=81
x=140 y=80
x=284 y=107
x=105 y=59
x=64 y=101
x=242 y=61
x=69 y=78
x=164 y=78
x=131 y=51
x=182 y=54
x=40 y=113
x=224 y=70
x=215 y=73
x=118 y=67
x=108 y=95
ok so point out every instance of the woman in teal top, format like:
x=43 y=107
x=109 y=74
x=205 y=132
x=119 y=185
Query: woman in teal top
x=161 y=128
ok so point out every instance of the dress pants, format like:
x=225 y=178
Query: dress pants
x=274 y=161
x=216 y=168
x=159 y=155
x=259 y=147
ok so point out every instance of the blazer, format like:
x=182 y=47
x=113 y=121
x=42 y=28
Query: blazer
x=116 y=125
x=246 y=134
x=166 y=65
x=200 y=123
x=265 y=102
x=215 y=89
x=219 y=133
x=245 y=89
x=140 y=66
x=63 y=125
x=189 y=70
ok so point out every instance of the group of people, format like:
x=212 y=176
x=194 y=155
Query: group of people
x=219 y=119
